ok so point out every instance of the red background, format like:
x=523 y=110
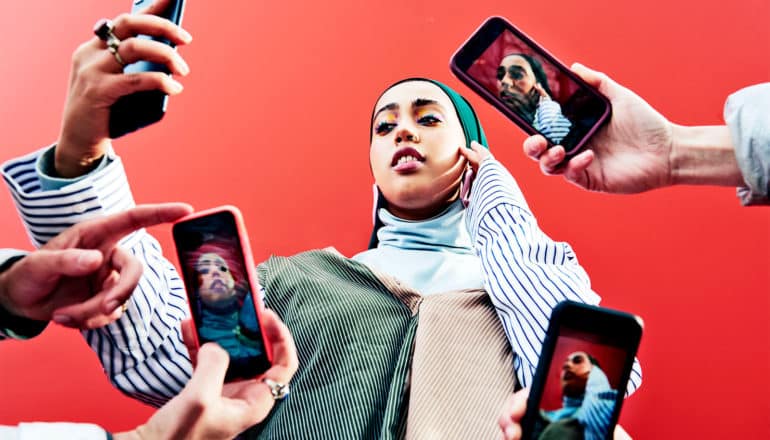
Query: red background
x=276 y=111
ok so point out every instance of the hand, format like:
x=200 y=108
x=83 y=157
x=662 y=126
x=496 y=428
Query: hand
x=475 y=155
x=513 y=411
x=207 y=409
x=629 y=155
x=97 y=81
x=81 y=277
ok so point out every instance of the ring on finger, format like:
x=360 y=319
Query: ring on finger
x=104 y=29
x=278 y=390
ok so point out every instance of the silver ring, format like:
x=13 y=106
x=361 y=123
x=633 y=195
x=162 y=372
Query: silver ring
x=278 y=390
x=104 y=30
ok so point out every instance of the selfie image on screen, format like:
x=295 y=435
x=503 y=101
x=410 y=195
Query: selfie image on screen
x=533 y=88
x=581 y=389
x=221 y=301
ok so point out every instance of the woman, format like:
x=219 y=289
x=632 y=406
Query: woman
x=367 y=369
x=523 y=86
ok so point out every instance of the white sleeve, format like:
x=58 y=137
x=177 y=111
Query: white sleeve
x=47 y=431
x=526 y=273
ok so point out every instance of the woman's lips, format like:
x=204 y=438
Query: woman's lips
x=407 y=159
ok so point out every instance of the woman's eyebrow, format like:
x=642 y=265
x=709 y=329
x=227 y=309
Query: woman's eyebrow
x=391 y=106
x=422 y=102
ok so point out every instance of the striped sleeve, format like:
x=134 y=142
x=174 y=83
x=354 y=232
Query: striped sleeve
x=550 y=121
x=526 y=274
x=142 y=353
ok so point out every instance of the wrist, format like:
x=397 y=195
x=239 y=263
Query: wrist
x=703 y=156
x=70 y=162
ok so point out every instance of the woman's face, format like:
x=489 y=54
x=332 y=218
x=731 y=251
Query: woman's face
x=414 y=154
x=215 y=280
x=515 y=75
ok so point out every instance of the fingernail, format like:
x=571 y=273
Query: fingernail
x=62 y=319
x=184 y=35
x=112 y=305
x=88 y=258
x=184 y=68
x=509 y=432
x=176 y=87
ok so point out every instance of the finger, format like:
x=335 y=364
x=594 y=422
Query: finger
x=130 y=271
x=190 y=340
x=620 y=433
x=470 y=155
x=157 y=7
x=86 y=314
x=519 y=404
x=284 y=352
x=482 y=151
x=534 y=146
x=512 y=432
x=130 y=25
x=136 y=49
x=106 y=231
x=51 y=264
x=551 y=159
x=576 y=169
x=598 y=80
x=209 y=374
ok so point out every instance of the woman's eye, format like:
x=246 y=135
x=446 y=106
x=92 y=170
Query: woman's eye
x=429 y=120
x=384 y=127
x=203 y=270
x=223 y=269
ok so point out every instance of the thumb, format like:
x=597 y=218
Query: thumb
x=598 y=80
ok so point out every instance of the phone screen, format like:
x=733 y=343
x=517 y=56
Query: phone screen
x=219 y=290
x=582 y=386
x=586 y=364
x=529 y=85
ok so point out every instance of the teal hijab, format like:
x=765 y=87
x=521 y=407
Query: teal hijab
x=468 y=120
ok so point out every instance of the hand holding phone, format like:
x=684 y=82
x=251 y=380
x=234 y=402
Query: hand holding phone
x=137 y=110
x=583 y=372
x=222 y=288
x=530 y=86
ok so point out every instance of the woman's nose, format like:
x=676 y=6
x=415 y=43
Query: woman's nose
x=405 y=134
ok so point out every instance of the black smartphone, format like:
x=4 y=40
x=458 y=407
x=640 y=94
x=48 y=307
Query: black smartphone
x=583 y=372
x=222 y=288
x=132 y=112
x=529 y=85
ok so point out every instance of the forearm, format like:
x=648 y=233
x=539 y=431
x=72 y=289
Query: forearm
x=526 y=273
x=704 y=156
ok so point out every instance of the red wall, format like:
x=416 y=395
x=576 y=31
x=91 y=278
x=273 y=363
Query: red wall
x=276 y=113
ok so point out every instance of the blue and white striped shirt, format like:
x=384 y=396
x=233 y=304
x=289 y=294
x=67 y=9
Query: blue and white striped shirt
x=526 y=273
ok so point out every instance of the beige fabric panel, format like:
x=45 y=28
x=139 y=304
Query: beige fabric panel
x=462 y=369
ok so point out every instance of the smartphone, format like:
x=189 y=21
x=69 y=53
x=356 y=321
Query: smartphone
x=581 y=378
x=132 y=112
x=222 y=287
x=530 y=86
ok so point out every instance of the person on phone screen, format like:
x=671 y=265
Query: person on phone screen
x=641 y=150
x=82 y=279
x=468 y=261
x=523 y=86
x=587 y=402
x=226 y=308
